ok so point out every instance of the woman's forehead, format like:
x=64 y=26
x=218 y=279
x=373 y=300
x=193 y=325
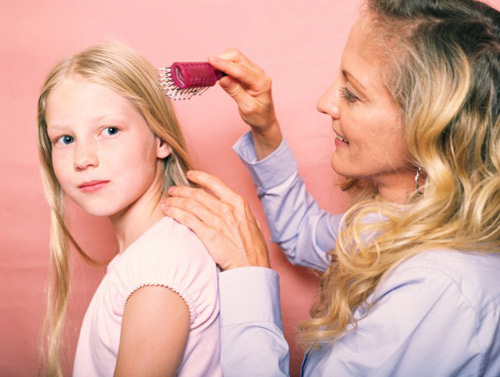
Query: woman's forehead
x=362 y=57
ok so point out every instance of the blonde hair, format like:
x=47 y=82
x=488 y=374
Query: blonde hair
x=120 y=68
x=444 y=72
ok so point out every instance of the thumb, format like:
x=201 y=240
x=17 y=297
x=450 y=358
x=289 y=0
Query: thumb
x=230 y=85
x=234 y=89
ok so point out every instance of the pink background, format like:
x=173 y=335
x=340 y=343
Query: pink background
x=297 y=42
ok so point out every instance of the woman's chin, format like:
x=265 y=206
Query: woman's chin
x=340 y=167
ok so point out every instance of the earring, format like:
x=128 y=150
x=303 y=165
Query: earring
x=419 y=169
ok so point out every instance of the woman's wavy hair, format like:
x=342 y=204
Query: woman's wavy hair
x=443 y=59
x=120 y=68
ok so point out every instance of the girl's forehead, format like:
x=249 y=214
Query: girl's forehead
x=77 y=88
x=76 y=98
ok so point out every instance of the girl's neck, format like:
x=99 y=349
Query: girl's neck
x=138 y=217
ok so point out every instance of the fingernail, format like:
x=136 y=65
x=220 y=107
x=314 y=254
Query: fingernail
x=190 y=174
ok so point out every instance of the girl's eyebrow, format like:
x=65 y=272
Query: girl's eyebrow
x=93 y=120
x=101 y=117
x=55 y=126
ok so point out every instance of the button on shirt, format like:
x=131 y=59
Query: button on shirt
x=436 y=314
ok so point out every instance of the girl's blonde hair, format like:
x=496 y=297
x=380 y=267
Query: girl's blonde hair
x=444 y=72
x=120 y=68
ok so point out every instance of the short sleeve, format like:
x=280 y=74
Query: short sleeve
x=170 y=255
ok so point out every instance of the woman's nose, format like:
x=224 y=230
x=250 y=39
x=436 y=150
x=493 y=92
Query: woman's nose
x=328 y=103
x=85 y=156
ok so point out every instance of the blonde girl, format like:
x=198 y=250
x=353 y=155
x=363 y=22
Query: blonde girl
x=110 y=141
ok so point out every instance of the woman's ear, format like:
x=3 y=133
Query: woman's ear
x=162 y=148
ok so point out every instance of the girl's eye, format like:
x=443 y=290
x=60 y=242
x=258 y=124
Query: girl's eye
x=348 y=95
x=65 y=140
x=110 y=131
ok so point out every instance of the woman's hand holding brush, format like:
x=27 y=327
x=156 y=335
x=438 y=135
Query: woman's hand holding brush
x=250 y=87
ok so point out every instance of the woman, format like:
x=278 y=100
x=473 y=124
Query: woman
x=411 y=286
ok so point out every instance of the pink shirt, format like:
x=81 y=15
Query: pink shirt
x=170 y=255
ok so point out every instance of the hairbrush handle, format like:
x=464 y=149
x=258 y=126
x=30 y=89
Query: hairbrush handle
x=194 y=74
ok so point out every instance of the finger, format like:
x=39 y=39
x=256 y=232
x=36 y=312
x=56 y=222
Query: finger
x=208 y=209
x=215 y=185
x=231 y=53
x=188 y=219
x=254 y=242
x=235 y=55
x=196 y=215
x=235 y=90
x=200 y=195
x=252 y=77
x=227 y=252
x=195 y=208
x=198 y=200
x=201 y=229
x=259 y=226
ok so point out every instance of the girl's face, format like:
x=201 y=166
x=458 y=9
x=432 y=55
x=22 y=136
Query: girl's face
x=104 y=154
x=367 y=122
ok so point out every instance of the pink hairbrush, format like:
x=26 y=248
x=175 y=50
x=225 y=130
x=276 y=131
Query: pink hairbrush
x=182 y=81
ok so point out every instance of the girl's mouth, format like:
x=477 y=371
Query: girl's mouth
x=92 y=186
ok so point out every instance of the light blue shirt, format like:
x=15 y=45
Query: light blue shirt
x=436 y=314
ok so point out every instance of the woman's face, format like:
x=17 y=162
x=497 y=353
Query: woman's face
x=367 y=122
x=104 y=154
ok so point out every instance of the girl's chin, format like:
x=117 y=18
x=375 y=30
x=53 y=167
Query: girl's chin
x=99 y=210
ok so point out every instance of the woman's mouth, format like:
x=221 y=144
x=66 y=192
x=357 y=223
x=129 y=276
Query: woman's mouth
x=340 y=138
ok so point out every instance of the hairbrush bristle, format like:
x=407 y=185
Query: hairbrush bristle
x=182 y=81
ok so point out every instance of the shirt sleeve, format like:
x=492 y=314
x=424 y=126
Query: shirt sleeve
x=252 y=335
x=170 y=255
x=304 y=231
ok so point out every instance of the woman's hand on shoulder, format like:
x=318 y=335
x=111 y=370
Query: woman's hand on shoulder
x=250 y=87
x=222 y=220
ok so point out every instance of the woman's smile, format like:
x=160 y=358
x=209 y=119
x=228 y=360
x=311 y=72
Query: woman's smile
x=340 y=141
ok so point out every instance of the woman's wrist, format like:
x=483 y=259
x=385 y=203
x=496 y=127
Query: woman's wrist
x=256 y=261
x=266 y=141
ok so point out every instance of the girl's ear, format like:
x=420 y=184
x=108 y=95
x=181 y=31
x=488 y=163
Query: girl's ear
x=162 y=148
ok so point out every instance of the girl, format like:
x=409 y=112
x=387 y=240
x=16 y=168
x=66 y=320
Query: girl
x=109 y=140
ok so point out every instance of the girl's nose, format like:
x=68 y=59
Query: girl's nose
x=85 y=156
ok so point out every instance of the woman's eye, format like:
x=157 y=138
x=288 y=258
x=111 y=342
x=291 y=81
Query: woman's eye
x=110 y=131
x=348 y=95
x=65 y=140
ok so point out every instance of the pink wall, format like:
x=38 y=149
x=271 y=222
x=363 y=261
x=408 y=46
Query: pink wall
x=297 y=42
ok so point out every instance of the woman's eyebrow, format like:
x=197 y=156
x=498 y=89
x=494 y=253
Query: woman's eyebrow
x=353 y=80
